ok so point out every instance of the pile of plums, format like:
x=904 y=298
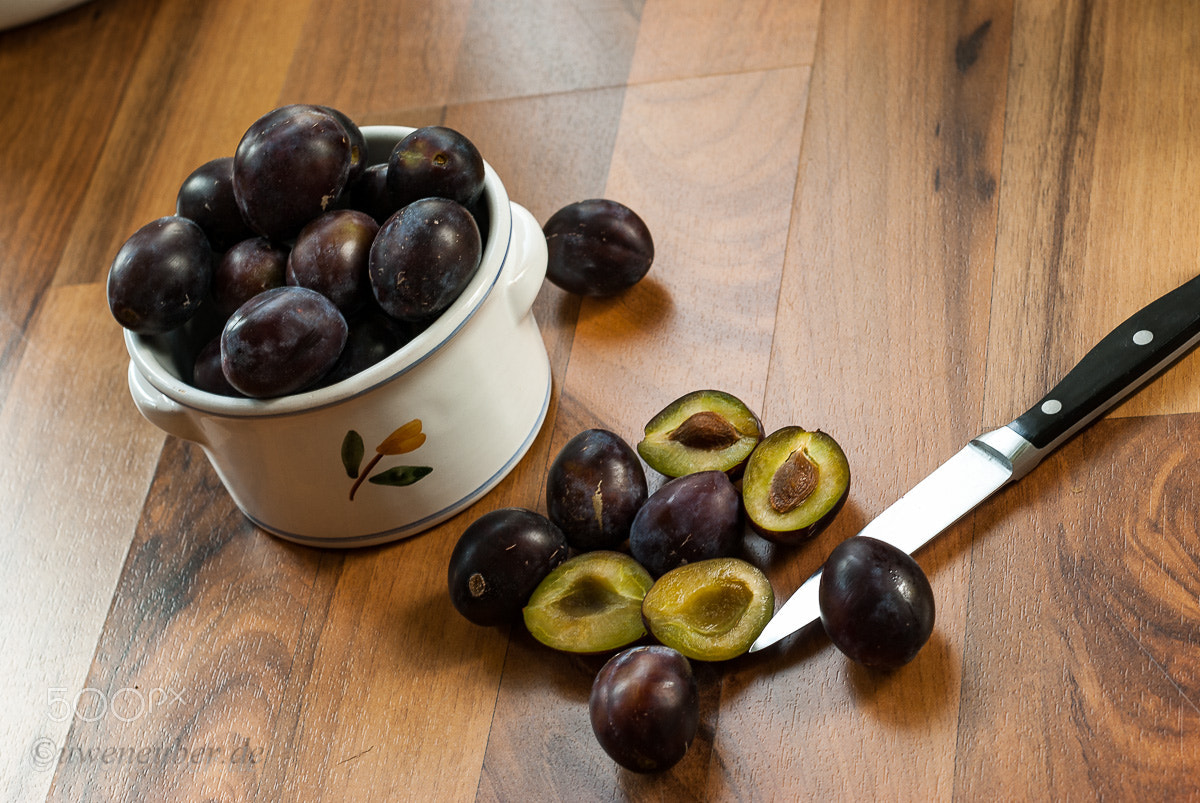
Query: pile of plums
x=307 y=265
x=610 y=565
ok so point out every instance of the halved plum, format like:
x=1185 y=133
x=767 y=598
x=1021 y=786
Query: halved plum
x=591 y=603
x=705 y=430
x=795 y=483
x=710 y=610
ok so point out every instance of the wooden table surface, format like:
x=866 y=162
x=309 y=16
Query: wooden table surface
x=896 y=222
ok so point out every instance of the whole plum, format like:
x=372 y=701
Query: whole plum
x=160 y=276
x=876 y=603
x=371 y=338
x=645 y=708
x=330 y=256
x=290 y=166
x=206 y=197
x=423 y=257
x=499 y=560
x=694 y=517
x=247 y=269
x=597 y=247
x=206 y=371
x=595 y=487
x=435 y=162
x=281 y=341
x=369 y=193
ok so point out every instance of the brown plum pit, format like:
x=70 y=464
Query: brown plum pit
x=794 y=482
x=705 y=430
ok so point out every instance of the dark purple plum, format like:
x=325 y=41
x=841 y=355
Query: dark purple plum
x=160 y=276
x=247 y=269
x=691 y=518
x=369 y=193
x=206 y=197
x=435 y=162
x=876 y=603
x=291 y=165
x=597 y=247
x=372 y=338
x=281 y=341
x=207 y=374
x=330 y=256
x=595 y=487
x=645 y=708
x=358 y=142
x=423 y=257
x=499 y=560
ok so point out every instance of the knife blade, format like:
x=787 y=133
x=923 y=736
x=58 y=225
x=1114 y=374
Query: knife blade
x=1132 y=354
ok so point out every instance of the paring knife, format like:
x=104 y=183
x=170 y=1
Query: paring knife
x=1128 y=357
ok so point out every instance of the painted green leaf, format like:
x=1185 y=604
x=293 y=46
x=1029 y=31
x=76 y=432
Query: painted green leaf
x=400 y=475
x=352 y=453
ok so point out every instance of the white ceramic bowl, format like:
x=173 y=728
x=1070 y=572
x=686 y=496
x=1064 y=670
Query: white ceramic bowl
x=478 y=380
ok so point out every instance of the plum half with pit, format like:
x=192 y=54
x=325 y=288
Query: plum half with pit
x=597 y=247
x=591 y=603
x=712 y=610
x=499 y=560
x=595 y=487
x=690 y=518
x=645 y=708
x=794 y=485
x=701 y=431
x=876 y=603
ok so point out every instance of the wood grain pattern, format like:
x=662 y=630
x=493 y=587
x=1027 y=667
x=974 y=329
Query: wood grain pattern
x=176 y=113
x=80 y=462
x=895 y=222
x=1087 y=586
x=1098 y=138
x=887 y=283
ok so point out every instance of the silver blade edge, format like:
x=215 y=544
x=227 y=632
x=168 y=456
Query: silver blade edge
x=954 y=488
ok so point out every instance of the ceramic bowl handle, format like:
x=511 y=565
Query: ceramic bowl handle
x=528 y=254
x=159 y=410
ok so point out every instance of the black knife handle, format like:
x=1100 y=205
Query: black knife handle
x=1130 y=355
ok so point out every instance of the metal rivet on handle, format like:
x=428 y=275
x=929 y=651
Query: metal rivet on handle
x=1142 y=337
x=1051 y=407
